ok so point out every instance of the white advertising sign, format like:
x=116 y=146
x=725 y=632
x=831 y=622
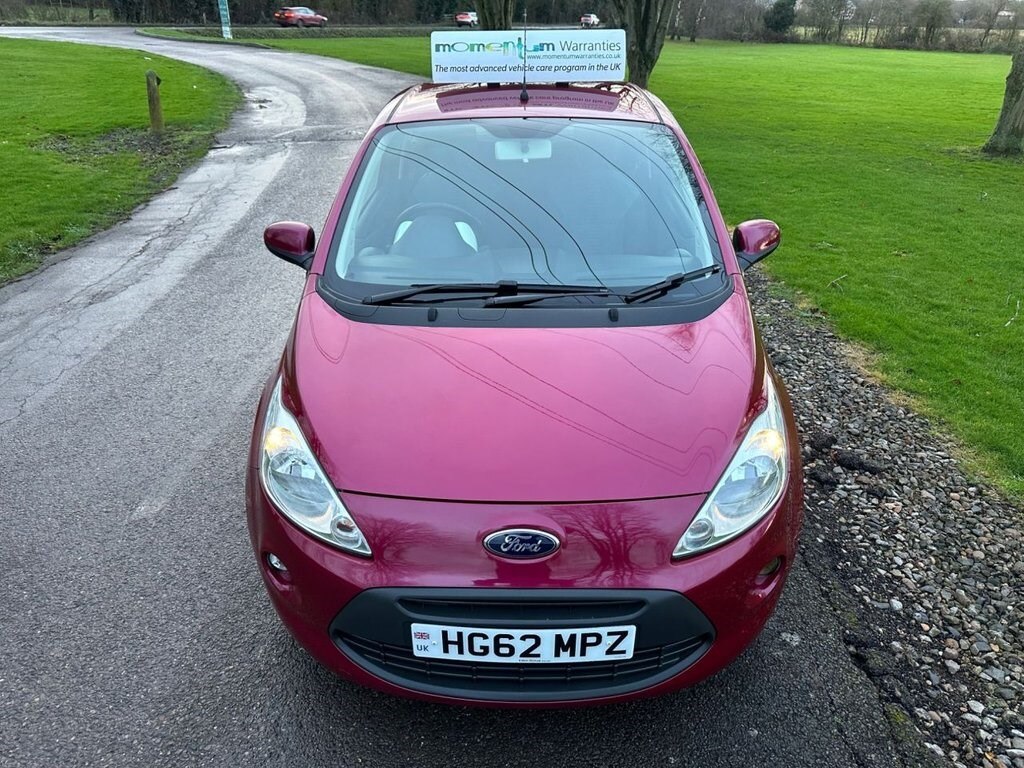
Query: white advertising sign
x=549 y=55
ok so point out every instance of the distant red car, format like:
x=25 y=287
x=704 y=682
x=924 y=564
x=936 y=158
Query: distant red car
x=299 y=16
x=524 y=446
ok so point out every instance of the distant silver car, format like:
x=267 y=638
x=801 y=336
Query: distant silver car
x=466 y=19
x=589 y=21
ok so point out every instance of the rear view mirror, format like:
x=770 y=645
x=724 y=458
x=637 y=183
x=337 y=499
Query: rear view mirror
x=292 y=241
x=522 y=149
x=755 y=239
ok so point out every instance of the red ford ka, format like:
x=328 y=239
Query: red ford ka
x=299 y=16
x=524 y=447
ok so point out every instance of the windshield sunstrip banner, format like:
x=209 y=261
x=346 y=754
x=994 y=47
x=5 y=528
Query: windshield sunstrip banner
x=549 y=55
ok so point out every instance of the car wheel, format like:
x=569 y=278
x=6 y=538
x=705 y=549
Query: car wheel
x=300 y=23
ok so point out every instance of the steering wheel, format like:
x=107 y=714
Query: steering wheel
x=452 y=212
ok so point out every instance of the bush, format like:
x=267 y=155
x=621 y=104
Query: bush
x=779 y=18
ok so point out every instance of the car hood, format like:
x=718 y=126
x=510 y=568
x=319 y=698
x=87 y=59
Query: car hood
x=524 y=414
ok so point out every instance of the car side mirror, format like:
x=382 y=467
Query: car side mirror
x=755 y=239
x=292 y=241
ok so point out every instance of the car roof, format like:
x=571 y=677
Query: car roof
x=453 y=101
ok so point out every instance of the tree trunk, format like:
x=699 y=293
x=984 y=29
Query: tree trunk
x=695 y=18
x=991 y=18
x=1008 y=137
x=496 y=14
x=645 y=22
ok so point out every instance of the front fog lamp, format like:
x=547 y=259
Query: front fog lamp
x=298 y=486
x=750 y=486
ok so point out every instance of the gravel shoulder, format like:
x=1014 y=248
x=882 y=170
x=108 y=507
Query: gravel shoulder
x=923 y=565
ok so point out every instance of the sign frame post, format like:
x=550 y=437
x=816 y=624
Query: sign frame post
x=225 y=19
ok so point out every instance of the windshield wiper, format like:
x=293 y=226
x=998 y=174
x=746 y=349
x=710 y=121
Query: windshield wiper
x=521 y=300
x=670 y=282
x=508 y=288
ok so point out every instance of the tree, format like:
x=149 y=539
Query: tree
x=496 y=14
x=866 y=13
x=934 y=16
x=829 y=18
x=689 y=14
x=734 y=19
x=645 y=22
x=1016 y=16
x=1008 y=137
x=780 y=16
x=990 y=17
x=895 y=26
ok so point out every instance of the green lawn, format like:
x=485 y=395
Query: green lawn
x=75 y=154
x=406 y=54
x=868 y=160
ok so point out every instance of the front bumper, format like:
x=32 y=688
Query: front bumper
x=693 y=616
x=373 y=632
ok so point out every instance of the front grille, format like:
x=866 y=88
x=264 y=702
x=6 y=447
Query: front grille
x=374 y=631
x=525 y=678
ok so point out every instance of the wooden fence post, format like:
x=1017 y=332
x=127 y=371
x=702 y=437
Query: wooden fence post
x=156 y=111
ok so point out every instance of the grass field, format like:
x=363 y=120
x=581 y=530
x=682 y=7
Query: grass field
x=868 y=160
x=75 y=153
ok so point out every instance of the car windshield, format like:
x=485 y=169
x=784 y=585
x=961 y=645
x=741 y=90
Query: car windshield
x=561 y=201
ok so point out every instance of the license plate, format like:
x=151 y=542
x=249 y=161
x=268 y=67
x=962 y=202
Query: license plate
x=523 y=646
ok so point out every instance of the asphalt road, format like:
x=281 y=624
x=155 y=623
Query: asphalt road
x=134 y=629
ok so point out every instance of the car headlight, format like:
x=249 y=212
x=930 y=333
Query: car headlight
x=298 y=486
x=750 y=486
